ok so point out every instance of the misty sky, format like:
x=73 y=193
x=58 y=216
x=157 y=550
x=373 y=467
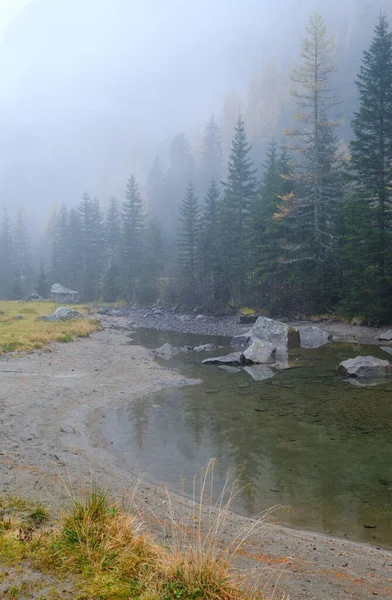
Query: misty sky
x=92 y=89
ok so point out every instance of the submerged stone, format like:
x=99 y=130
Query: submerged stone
x=260 y=372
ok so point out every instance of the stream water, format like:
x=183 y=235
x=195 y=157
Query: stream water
x=306 y=439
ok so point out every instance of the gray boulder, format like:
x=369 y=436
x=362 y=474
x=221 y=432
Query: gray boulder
x=205 y=348
x=365 y=367
x=235 y=359
x=386 y=336
x=62 y=313
x=166 y=352
x=260 y=352
x=313 y=337
x=242 y=341
x=387 y=349
x=260 y=372
x=276 y=333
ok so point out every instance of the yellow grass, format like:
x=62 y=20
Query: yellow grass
x=111 y=556
x=28 y=333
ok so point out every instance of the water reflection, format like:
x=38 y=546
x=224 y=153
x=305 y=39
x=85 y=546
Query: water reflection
x=305 y=438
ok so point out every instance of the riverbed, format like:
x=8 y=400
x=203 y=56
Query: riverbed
x=306 y=439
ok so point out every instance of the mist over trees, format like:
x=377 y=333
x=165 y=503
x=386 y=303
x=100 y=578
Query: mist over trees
x=295 y=220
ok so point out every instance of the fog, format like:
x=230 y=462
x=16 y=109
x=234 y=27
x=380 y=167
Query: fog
x=91 y=90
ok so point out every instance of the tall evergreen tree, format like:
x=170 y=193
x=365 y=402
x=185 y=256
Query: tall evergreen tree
x=210 y=167
x=318 y=174
x=209 y=251
x=239 y=193
x=152 y=262
x=76 y=250
x=368 y=246
x=6 y=255
x=113 y=231
x=61 y=269
x=188 y=237
x=133 y=223
x=92 y=248
x=42 y=285
x=22 y=259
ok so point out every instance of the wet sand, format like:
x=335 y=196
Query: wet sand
x=51 y=407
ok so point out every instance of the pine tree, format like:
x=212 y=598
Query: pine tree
x=155 y=190
x=113 y=231
x=92 y=248
x=368 y=241
x=152 y=262
x=209 y=250
x=22 y=260
x=6 y=255
x=239 y=193
x=42 y=282
x=210 y=168
x=188 y=239
x=61 y=271
x=318 y=171
x=133 y=223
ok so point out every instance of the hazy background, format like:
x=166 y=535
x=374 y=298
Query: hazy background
x=91 y=90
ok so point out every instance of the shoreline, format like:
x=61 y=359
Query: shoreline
x=51 y=407
x=168 y=320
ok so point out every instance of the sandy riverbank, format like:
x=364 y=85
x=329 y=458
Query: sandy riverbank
x=71 y=388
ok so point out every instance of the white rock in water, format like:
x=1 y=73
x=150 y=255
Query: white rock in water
x=235 y=359
x=260 y=372
x=276 y=333
x=260 y=352
x=313 y=337
x=365 y=367
x=166 y=351
x=386 y=337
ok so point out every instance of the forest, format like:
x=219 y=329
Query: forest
x=304 y=230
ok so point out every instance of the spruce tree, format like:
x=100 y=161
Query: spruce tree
x=318 y=176
x=133 y=223
x=239 y=193
x=210 y=167
x=113 y=231
x=42 y=285
x=6 y=255
x=188 y=240
x=22 y=259
x=368 y=240
x=209 y=250
x=61 y=271
x=92 y=248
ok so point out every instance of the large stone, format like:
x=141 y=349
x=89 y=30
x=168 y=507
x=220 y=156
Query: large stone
x=365 y=367
x=260 y=352
x=313 y=337
x=62 y=313
x=276 y=333
x=386 y=336
x=260 y=372
x=205 y=348
x=387 y=349
x=242 y=341
x=235 y=359
x=166 y=352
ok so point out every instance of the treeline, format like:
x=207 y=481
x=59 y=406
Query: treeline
x=314 y=235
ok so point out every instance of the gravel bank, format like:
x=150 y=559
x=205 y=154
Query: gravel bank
x=52 y=405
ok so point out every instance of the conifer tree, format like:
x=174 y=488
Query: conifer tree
x=210 y=168
x=239 y=193
x=6 y=257
x=22 y=259
x=152 y=262
x=76 y=253
x=133 y=223
x=42 y=286
x=61 y=271
x=368 y=241
x=188 y=237
x=317 y=175
x=91 y=237
x=209 y=250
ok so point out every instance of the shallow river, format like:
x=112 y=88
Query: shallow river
x=305 y=439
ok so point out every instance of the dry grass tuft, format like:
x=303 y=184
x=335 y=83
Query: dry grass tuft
x=112 y=557
x=28 y=334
